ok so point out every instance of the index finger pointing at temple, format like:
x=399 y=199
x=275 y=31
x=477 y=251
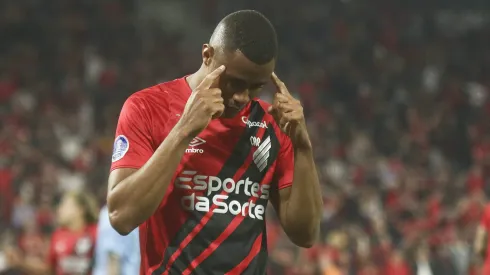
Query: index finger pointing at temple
x=212 y=79
x=281 y=87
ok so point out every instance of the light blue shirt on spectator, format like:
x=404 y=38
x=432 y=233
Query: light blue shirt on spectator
x=110 y=242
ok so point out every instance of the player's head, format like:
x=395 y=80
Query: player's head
x=246 y=43
x=77 y=208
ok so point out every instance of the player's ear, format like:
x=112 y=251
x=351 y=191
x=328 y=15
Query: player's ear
x=207 y=54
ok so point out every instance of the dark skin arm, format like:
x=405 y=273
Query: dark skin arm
x=479 y=244
x=299 y=207
x=135 y=194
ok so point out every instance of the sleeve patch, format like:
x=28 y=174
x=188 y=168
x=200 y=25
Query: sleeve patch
x=121 y=147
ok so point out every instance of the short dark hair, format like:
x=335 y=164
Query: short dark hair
x=251 y=33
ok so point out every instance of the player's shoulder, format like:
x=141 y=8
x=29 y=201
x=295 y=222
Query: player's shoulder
x=161 y=93
x=158 y=100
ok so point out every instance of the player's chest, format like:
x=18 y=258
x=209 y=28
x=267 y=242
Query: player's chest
x=247 y=143
x=67 y=244
x=225 y=149
x=73 y=253
x=227 y=172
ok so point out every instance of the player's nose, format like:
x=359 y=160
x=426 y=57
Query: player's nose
x=241 y=98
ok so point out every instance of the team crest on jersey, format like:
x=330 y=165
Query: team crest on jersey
x=121 y=147
x=262 y=154
x=83 y=246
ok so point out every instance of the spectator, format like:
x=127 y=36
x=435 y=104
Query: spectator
x=115 y=254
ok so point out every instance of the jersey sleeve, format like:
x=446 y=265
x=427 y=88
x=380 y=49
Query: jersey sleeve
x=133 y=142
x=485 y=220
x=285 y=164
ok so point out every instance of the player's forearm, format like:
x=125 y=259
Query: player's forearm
x=135 y=199
x=479 y=244
x=304 y=206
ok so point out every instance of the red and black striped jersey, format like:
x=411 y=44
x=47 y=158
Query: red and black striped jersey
x=212 y=218
x=71 y=252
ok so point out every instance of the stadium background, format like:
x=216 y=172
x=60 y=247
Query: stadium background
x=395 y=94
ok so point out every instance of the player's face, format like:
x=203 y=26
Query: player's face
x=69 y=210
x=242 y=79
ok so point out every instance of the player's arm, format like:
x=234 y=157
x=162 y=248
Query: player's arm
x=134 y=194
x=114 y=264
x=298 y=199
x=138 y=185
x=299 y=204
x=479 y=244
x=481 y=235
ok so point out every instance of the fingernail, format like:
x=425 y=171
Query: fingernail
x=222 y=67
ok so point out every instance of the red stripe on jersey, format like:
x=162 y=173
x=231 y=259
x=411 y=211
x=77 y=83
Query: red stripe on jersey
x=204 y=220
x=244 y=264
x=208 y=216
x=231 y=227
x=214 y=245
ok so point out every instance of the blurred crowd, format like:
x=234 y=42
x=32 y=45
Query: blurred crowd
x=395 y=96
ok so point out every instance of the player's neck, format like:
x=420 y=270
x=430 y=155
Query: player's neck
x=77 y=226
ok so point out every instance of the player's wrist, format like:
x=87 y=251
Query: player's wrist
x=301 y=140
x=303 y=147
x=182 y=133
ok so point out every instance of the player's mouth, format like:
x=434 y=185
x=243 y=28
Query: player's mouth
x=235 y=107
x=232 y=110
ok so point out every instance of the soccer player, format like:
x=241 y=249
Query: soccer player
x=115 y=254
x=480 y=245
x=72 y=244
x=197 y=159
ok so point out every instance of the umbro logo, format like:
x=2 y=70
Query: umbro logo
x=195 y=142
x=261 y=155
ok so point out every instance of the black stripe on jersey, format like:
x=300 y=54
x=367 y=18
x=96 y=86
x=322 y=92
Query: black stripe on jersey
x=259 y=263
x=239 y=244
x=207 y=234
x=219 y=222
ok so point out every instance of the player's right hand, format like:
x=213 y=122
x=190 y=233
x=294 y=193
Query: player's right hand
x=204 y=104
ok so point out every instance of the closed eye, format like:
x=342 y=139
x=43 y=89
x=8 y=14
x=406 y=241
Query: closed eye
x=237 y=84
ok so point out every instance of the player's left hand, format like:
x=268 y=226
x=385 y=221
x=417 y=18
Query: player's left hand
x=288 y=113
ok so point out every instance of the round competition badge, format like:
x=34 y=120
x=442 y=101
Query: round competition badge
x=121 y=147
